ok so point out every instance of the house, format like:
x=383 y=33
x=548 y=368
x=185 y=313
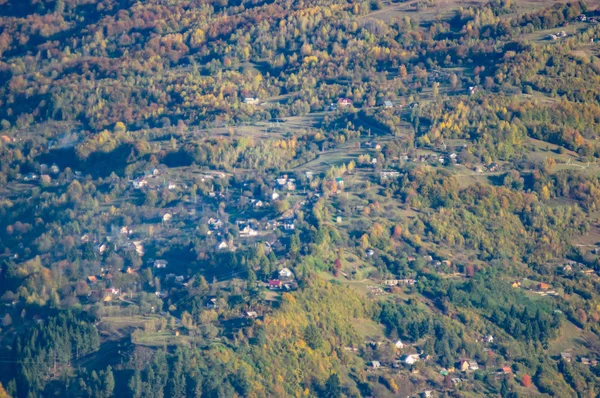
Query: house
x=516 y=284
x=388 y=104
x=258 y=204
x=139 y=183
x=489 y=338
x=493 y=167
x=248 y=232
x=212 y=304
x=274 y=196
x=543 y=286
x=30 y=177
x=274 y=284
x=343 y=102
x=223 y=246
x=399 y=344
x=282 y=180
x=45 y=178
x=110 y=293
x=370 y=252
x=566 y=356
x=125 y=230
x=101 y=248
x=167 y=217
x=411 y=359
x=288 y=225
x=463 y=366
x=251 y=315
x=214 y=223
x=505 y=370
x=473 y=365
x=54 y=169
x=375 y=364
x=290 y=185
x=92 y=279
x=582 y=18
x=179 y=279
x=286 y=274
x=251 y=101
x=171 y=186
x=456 y=381
x=427 y=394
x=473 y=90
x=160 y=264
x=385 y=175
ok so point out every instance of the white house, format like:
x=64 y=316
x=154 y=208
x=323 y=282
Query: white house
x=399 y=344
x=160 y=263
x=167 y=217
x=286 y=273
x=248 y=231
x=223 y=246
x=412 y=359
x=274 y=196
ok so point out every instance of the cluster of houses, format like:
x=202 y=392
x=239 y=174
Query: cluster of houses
x=284 y=281
x=558 y=35
x=399 y=282
x=286 y=183
x=568 y=356
x=584 y=18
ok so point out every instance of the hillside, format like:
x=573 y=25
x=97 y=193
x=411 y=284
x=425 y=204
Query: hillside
x=322 y=198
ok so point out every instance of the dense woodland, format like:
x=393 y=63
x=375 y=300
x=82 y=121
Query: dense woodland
x=256 y=198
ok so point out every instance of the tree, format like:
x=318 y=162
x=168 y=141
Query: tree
x=3 y=393
x=108 y=383
x=332 y=388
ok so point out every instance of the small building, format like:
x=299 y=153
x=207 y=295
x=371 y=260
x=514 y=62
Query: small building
x=223 y=246
x=566 y=356
x=505 y=370
x=473 y=365
x=167 y=217
x=258 y=204
x=399 y=344
x=516 y=284
x=289 y=225
x=160 y=264
x=388 y=104
x=274 y=196
x=489 y=338
x=375 y=364
x=370 y=252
